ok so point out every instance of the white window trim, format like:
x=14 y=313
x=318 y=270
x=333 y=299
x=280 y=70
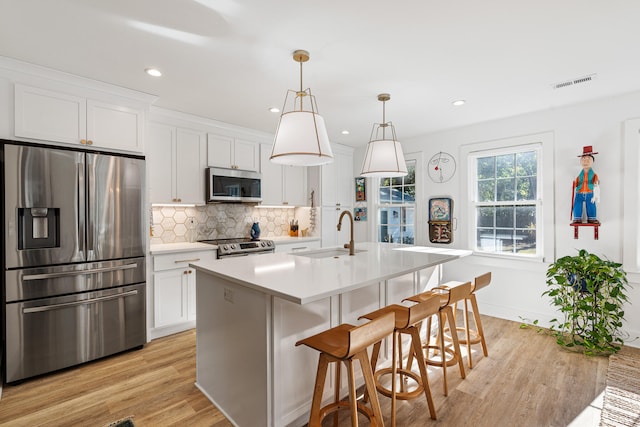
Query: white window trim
x=631 y=196
x=545 y=238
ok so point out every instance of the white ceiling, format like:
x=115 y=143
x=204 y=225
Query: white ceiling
x=230 y=60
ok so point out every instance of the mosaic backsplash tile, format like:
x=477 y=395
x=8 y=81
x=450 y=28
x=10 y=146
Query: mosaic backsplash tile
x=175 y=224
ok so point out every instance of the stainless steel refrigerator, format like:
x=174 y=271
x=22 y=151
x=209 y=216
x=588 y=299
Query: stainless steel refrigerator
x=74 y=257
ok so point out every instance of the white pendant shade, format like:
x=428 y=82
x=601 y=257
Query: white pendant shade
x=301 y=140
x=384 y=158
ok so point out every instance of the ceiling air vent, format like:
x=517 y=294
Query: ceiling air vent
x=584 y=79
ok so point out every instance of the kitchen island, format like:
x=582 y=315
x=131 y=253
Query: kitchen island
x=252 y=310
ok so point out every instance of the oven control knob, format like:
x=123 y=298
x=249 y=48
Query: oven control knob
x=270 y=243
x=262 y=244
x=233 y=246
x=224 y=247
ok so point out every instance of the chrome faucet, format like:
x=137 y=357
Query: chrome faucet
x=351 y=245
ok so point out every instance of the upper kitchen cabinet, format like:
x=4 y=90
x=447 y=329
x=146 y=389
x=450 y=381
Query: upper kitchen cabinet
x=232 y=153
x=282 y=185
x=49 y=115
x=176 y=159
x=337 y=179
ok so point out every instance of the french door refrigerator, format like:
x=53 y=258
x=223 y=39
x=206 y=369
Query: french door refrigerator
x=74 y=257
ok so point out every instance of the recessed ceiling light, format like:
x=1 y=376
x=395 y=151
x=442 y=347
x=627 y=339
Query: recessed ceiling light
x=274 y=109
x=459 y=102
x=153 y=72
x=345 y=132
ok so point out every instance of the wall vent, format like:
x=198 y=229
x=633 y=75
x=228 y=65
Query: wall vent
x=583 y=79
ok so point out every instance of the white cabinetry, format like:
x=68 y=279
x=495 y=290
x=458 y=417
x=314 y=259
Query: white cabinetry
x=297 y=246
x=337 y=186
x=232 y=153
x=176 y=163
x=174 y=291
x=282 y=185
x=60 y=117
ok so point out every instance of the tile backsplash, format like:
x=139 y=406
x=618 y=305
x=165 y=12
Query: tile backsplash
x=175 y=224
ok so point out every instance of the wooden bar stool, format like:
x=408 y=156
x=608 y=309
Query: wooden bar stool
x=449 y=296
x=344 y=343
x=474 y=336
x=408 y=320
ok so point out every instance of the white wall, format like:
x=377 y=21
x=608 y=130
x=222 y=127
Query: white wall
x=517 y=286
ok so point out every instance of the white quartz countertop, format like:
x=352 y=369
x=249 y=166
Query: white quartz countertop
x=163 y=248
x=289 y=239
x=301 y=279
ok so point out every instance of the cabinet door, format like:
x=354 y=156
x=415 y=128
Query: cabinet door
x=345 y=188
x=160 y=163
x=295 y=186
x=169 y=297
x=47 y=115
x=272 y=189
x=245 y=155
x=329 y=174
x=114 y=126
x=219 y=151
x=190 y=166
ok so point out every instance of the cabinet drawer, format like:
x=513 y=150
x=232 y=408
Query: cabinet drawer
x=181 y=259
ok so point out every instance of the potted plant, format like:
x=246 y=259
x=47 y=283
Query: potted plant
x=590 y=293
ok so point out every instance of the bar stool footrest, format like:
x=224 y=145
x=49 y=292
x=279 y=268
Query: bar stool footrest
x=329 y=409
x=450 y=361
x=401 y=372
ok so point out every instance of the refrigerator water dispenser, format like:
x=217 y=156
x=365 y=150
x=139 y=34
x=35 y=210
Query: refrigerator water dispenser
x=38 y=228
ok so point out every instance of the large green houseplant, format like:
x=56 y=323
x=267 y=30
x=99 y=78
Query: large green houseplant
x=590 y=293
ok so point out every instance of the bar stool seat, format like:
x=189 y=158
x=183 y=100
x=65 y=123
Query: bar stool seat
x=407 y=322
x=344 y=343
x=449 y=353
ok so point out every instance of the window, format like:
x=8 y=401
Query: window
x=397 y=208
x=506 y=201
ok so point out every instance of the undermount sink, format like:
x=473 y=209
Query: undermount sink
x=327 y=253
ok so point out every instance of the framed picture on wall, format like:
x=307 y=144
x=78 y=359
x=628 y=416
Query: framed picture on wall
x=359 y=214
x=361 y=190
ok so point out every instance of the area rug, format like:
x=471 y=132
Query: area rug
x=621 y=405
x=125 y=422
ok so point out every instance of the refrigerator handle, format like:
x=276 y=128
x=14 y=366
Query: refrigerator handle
x=41 y=276
x=90 y=195
x=76 y=303
x=80 y=214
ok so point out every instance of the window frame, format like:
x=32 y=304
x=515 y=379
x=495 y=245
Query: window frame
x=416 y=204
x=543 y=145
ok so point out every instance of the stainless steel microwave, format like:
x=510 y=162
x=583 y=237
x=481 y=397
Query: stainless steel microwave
x=233 y=185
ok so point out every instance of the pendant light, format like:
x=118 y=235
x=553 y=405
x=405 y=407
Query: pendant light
x=301 y=138
x=384 y=157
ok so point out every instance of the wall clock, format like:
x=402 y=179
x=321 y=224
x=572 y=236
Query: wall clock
x=442 y=167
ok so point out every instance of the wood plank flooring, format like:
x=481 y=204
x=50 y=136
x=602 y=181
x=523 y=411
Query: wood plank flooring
x=527 y=380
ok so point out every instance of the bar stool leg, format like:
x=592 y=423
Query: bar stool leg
x=370 y=384
x=353 y=404
x=323 y=364
x=336 y=392
x=416 y=343
x=478 y=322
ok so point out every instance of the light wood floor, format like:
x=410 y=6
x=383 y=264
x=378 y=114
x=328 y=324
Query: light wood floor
x=527 y=380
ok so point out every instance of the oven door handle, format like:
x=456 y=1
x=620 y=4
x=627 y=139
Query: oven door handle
x=76 y=303
x=77 y=272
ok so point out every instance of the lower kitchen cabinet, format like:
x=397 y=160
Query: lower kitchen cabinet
x=174 y=291
x=297 y=246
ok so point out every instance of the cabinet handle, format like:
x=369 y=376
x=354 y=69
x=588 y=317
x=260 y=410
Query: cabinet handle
x=176 y=200
x=187 y=260
x=285 y=203
x=89 y=142
x=83 y=141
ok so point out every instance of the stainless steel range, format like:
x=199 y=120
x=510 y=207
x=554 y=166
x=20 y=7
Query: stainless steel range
x=241 y=247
